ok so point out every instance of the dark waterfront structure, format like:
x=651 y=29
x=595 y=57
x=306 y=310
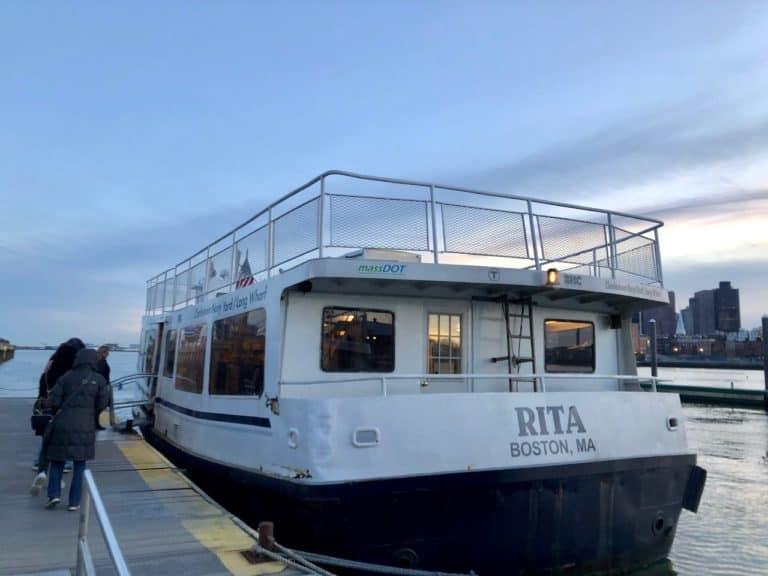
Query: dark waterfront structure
x=7 y=350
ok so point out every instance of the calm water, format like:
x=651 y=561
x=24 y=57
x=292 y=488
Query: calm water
x=726 y=537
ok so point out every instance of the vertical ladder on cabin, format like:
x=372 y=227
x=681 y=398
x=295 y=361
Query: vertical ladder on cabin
x=518 y=324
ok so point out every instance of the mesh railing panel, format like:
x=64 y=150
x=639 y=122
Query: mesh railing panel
x=253 y=250
x=360 y=222
x=220 y=270
x=169 y=289
x=196 y=281
x=295 y=232
x=484 y=231
x=561 y=237
x=637 y=256
x=180 y=289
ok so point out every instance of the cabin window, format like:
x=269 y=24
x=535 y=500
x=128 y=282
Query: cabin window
x=148 y=349
x=191 y=363
x=237 y=355
x=170 y=353
x=357 y=340
x=569 y=346
x=444 y=346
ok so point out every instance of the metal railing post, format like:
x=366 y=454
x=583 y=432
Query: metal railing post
x=270 y=242
x=233 y=262
x=657 y=250
x=534 y=244
x=434 y=222
x=321 y=217
x=82 y=533
x=611 y=246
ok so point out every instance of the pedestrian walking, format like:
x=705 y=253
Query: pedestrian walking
x=59 y=363
x=102 y=367
x=76 y=398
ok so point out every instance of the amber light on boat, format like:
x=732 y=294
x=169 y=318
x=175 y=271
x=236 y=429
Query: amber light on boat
x=552 y=276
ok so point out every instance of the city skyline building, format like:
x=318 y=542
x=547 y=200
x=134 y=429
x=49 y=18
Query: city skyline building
x=713 y=311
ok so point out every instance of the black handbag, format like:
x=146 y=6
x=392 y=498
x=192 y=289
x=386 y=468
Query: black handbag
x=40 y=417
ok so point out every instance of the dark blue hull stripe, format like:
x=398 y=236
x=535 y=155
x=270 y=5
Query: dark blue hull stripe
x=216 y=416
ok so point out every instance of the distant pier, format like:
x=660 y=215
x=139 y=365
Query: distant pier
x=7 y=350
x=717 y=396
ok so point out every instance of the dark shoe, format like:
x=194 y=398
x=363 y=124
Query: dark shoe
x=51 y=504
x=100 y=427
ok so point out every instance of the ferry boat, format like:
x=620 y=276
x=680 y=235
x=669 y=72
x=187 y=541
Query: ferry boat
x=426 y=376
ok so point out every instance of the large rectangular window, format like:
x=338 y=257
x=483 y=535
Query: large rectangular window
x=444 y=352
x=191 y=364
x=569 y=346
x=357 y=340
x=237 y=354
x=170 y=353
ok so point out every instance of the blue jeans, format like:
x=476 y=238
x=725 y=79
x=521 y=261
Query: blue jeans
x=76 y=483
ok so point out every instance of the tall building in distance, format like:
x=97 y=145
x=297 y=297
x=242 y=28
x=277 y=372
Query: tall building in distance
x=713 y=311
x=727 y=311
x=666 y=319
x=703 y=312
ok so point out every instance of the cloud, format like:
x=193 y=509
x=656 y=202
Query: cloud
x=728 y=201
x=92 y=284
x=630 y=153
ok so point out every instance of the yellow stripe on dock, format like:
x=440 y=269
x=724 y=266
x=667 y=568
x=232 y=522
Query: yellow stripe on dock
x=208 y=523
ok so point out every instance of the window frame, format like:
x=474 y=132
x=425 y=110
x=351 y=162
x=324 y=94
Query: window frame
x=211 y=391
x=591 y=323
x=206 y=344
x=357 y=309
x=462 y=348
x=175 y=332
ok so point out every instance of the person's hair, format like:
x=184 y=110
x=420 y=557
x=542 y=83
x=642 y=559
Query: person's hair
x=76 y=343
x=102 y=348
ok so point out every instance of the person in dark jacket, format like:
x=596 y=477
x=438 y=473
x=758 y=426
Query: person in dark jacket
x=102 y=367
x=77 y=397
x=59 y=363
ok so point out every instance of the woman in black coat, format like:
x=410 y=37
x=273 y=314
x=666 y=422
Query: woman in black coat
x=59 y=363
x=77 y=397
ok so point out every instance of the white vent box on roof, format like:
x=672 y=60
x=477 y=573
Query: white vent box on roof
x=381 y=254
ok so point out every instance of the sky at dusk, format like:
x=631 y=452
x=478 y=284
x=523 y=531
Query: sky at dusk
x=132 y=134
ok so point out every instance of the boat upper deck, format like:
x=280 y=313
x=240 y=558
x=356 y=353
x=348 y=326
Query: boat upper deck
x=339 y=212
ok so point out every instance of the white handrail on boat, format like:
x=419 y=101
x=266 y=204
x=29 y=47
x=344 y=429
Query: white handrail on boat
x=439 y=219
x=470 y=377
x=84 y=559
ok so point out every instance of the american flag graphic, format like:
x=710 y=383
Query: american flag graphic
x=244 y=276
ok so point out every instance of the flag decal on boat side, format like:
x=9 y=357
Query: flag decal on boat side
x=244 y=276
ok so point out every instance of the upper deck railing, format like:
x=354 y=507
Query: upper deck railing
x=338 y=211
